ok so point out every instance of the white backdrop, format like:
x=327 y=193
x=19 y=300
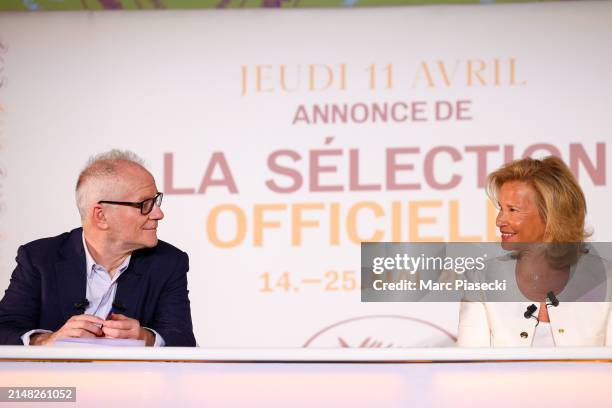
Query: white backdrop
x=267 y=194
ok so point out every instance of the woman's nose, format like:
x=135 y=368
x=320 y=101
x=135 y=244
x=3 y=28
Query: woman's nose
x=501 y=219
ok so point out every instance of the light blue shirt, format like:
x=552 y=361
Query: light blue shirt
x=101 y=289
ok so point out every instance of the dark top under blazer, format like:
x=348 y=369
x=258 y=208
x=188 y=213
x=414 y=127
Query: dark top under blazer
x=50 y=278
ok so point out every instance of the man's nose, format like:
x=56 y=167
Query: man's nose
x=156 y=213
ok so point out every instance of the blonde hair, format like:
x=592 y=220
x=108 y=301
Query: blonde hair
x=559 y=198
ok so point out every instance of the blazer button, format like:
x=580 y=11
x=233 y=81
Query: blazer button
x=561 y=331
x=524 y=335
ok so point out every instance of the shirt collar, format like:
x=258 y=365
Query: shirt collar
x=91 y=264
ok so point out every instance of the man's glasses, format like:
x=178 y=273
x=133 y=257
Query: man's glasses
x=146 y=206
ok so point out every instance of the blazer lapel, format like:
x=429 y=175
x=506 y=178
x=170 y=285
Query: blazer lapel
x=129 y=286
x=71 y=275
x=72 y=278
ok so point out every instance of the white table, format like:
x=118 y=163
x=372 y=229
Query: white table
x=432 y=377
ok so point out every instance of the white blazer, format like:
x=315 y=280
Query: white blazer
x=503 y=324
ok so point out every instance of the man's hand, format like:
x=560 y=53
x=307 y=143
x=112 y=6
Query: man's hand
x=77 y=326
x=122 y=327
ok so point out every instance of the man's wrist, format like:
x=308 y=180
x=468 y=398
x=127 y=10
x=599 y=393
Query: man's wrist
x=39 y=339
x=148 y=336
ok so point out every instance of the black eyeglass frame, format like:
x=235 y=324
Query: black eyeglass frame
x=155 y=200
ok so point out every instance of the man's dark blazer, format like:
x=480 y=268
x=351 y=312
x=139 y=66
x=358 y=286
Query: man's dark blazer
x=50 y=278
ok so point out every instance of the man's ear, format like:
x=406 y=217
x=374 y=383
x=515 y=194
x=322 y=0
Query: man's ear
x=99 y=217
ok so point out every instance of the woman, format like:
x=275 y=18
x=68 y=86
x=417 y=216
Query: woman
x=539 y=201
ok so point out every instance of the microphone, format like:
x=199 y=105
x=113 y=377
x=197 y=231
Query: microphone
x=530 y=310
x=553 y=299
x=119 y=306
x=81 y=305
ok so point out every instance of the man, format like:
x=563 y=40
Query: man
x=110 y=278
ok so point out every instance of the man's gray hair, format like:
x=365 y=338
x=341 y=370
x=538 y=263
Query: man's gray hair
x=99 y=175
